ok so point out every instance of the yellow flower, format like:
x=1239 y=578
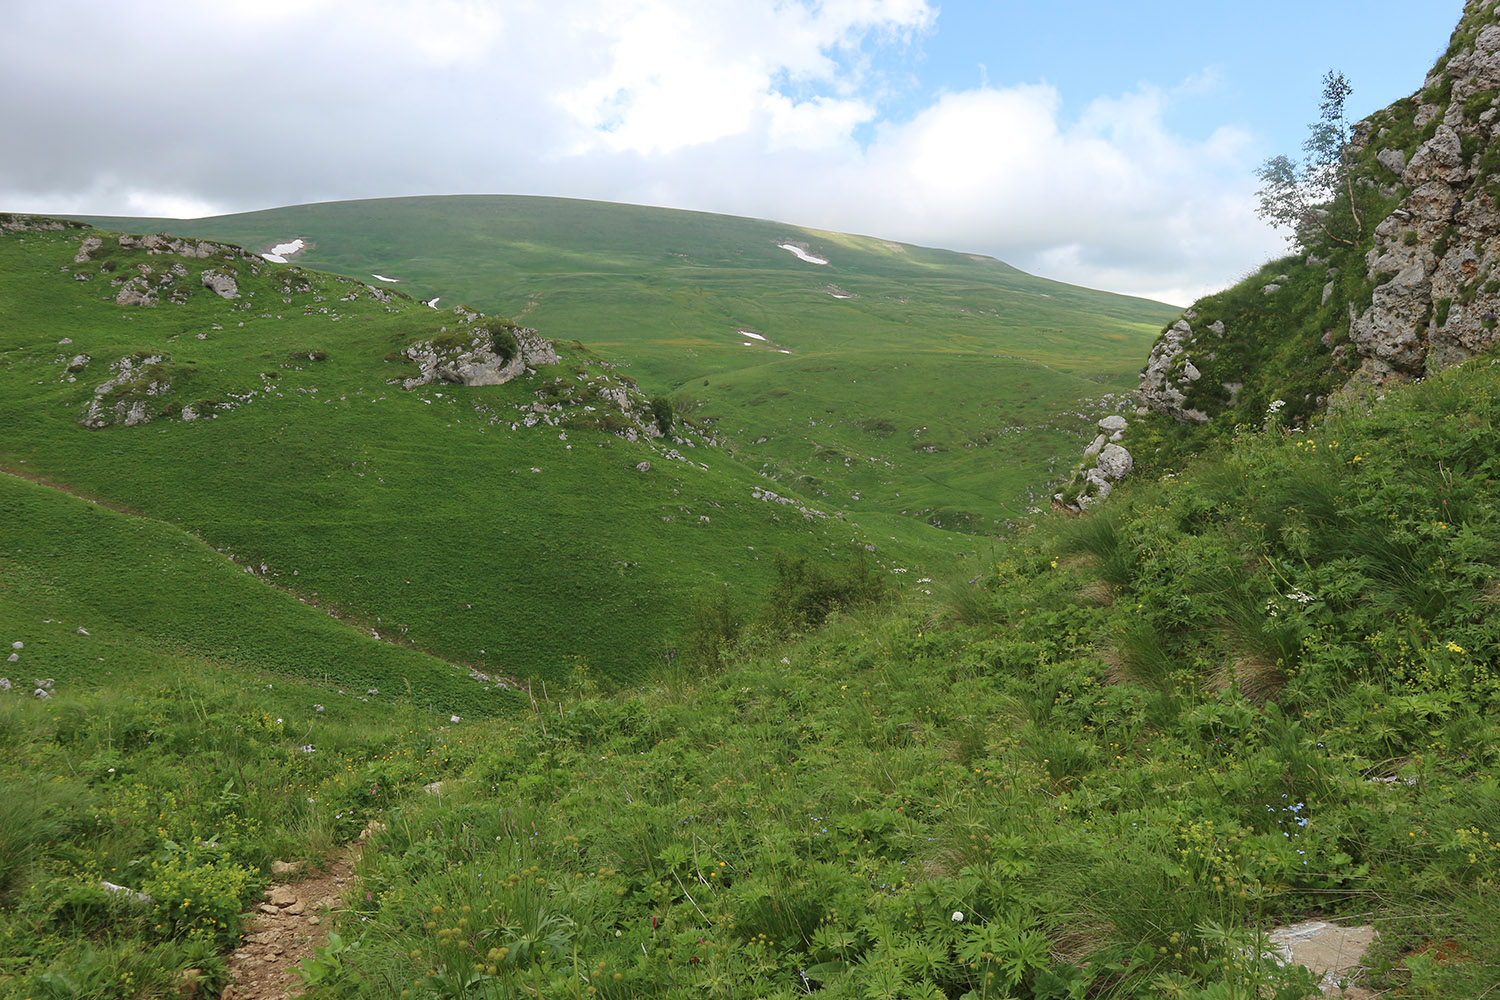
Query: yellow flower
x=1454 y=647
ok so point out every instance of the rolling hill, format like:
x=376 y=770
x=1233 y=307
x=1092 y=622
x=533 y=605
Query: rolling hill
x=874 y=376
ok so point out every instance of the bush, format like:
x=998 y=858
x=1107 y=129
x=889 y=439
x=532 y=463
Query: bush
x=806 y=593
x=662 y=413
x=714 y=630
x=503 y=342
x=201 y=901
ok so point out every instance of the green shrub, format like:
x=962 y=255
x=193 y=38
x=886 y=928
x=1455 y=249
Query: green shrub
x=503 y=342
x=200 y=901
x=713 y=630
x=662 y=413
x=805 y=592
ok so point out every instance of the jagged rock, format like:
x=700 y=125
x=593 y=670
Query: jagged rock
x=1115 y=462
x=474 y=361
x=1158 y=389
x=1092 y=450
x=86 y=249
x=137 y=291
x=1114 y=426
x=123 y=398
x=1270 y=289
x=221 y=283
x=1393 y=160
x=161 y=243
x=643 y=467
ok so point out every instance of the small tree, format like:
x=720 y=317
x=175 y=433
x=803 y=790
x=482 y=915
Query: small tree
x=662 y=413
x=1317 y=196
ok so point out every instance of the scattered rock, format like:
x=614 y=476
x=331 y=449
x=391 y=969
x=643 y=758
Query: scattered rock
x=222 y=283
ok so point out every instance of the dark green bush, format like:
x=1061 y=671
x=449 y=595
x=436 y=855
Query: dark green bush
x=662 y=413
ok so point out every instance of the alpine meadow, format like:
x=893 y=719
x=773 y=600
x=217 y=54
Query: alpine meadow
x=517 y=597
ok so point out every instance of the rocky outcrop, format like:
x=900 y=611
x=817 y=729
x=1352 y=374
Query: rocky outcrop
x=221 y=282
x=1436 y=258
x=127 y=397
x=1169 y=372
x=11 y=223
x=162 y=243
x=481 y=355
x=1104 y=464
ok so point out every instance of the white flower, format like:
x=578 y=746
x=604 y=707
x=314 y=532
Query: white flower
x=958 y=916
x=317 y=708
x=453 y=718
x=309 y=748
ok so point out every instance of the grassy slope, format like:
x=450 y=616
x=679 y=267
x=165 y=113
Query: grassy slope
x=963 y=355
x=1074 y=753
x=95 y=594
x=417 y=513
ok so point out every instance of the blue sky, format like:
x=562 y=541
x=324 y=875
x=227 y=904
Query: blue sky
x=1108 y=144
x=1256 y=66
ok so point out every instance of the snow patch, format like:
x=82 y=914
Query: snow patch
x=281 y=251
x=381 y=277
x=802 y=254
x=432 y=303
x=752 y=336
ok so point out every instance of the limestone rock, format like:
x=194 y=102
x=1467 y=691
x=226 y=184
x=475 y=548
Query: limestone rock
x=124 y=397
x=86 y=249
x=222 y=283
x=1115 y=462
x=473 y=360
x=1159 y=389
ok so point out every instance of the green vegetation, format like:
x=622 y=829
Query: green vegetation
x=978 y=368
x=504 y=528
x=1260 y=689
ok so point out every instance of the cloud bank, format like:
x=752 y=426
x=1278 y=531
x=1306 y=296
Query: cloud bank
x=769 y=110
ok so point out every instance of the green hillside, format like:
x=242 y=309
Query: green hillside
x=503 y=527
x=891 y=378
x=1260 y=691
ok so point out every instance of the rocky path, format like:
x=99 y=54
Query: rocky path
x=293 y=920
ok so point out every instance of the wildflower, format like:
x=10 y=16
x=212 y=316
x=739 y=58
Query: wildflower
x=958 y=916
x=1454 y=647
x=308 y=748
x=317 y=708
x=453 y=718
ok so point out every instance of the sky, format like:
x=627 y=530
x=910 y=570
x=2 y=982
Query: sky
x=1107 y=144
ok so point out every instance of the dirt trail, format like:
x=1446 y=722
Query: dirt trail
x=293 y=920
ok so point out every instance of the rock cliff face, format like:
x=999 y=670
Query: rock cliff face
x=1419 y=289
x=1436 y=257
x=1411 y=286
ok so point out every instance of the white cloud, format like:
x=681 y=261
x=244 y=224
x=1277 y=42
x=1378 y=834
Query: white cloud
x=715 y=105
x=683 y=74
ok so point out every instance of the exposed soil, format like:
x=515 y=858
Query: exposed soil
x=293 y=920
